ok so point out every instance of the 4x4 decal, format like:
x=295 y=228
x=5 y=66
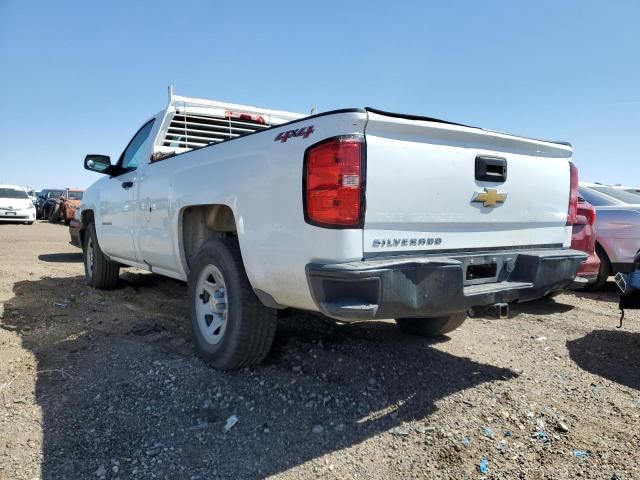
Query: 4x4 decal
x=303 y=132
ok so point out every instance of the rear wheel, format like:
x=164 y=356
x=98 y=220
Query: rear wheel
x=231 y=327
x=54 y=213
x=603 y=274
x=100 y=272
x=432 y=327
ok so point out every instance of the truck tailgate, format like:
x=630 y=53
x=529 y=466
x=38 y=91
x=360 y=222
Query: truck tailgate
x=438 y=187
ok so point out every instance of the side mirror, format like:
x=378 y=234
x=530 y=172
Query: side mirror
x=98 y=163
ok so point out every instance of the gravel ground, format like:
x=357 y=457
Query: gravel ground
x=106 y=385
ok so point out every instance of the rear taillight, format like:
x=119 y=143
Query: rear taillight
x=573 y=194
x=334 y=182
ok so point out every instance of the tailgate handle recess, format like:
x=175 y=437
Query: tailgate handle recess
x=491 y=169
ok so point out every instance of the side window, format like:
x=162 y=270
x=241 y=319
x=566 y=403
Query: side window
x=133 y=153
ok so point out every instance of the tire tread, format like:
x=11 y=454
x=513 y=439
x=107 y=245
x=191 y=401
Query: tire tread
x=105 y=272
x=258 y=323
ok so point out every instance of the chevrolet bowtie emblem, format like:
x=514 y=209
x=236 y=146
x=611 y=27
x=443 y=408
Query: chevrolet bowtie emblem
x=490 y=197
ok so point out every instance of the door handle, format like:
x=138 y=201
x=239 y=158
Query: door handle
x=127 y=185
x=491 y=169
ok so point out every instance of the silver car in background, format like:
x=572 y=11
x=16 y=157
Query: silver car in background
x=617 y=228
x=628 y=189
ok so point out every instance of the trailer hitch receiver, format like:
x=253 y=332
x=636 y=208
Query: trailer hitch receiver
x=497 y=310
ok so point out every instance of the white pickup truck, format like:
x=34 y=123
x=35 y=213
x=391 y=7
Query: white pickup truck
x=359 y=214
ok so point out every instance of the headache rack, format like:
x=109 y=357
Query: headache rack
x=196 y=122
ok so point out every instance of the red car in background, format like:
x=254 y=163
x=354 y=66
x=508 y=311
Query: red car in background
x=584 y=238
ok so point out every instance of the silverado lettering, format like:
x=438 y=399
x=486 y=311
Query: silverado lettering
x=405 y=242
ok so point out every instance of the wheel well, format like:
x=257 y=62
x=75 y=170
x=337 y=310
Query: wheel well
x=86 y=219
x=201 y=222
x=602 y=252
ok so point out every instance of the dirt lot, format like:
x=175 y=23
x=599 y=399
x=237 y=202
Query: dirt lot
x=105 y=385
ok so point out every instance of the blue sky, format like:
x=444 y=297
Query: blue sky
x=80 y=77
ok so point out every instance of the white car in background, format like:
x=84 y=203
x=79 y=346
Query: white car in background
x=16 y=205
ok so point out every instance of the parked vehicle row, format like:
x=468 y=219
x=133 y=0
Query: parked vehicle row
x=64 y=207
x=25 y=206
x=58 y=205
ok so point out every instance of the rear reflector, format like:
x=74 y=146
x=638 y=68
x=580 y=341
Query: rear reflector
x=573 y=194
x=334 y=182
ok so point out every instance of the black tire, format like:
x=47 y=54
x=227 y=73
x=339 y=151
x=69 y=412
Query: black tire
x=99 y=271
x=54 y=213
x=431 y=327
x=247 y=326
x=28 y=223
x=603 y=274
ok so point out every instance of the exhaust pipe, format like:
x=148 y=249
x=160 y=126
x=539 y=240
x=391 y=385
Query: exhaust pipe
x=497 y=310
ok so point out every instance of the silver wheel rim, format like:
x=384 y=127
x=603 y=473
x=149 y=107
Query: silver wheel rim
x=211 y=304
x=90 y=257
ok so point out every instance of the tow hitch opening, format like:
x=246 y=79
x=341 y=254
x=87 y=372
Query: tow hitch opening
x=497 y=310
